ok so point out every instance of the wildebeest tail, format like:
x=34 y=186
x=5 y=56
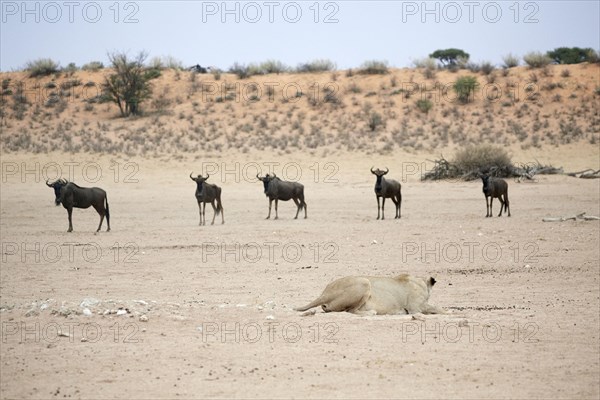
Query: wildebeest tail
x=219 y=205
x=106 y=206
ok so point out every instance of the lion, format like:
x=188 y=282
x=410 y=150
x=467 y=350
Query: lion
x=374 y=295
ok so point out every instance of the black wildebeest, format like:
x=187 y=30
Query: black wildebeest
x=208 y=193
x=495 y=187
x=276 y=189
x=387 y=188
x=74 y=196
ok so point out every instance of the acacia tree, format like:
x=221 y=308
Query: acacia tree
x=129 y=85
x=571 y=55
x=449 y=57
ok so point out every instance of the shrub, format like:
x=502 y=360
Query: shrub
x=165 y=62
x=375 y=120
x=129 y=85
x=316 y=66
x=241 y=70
x=487 y=67
x=92 y=66
x=536 y=59
x=473 y=67
x=374 y=67
x=70 y=69
x=172 y=63
x=20 y=102
x=424 y=105
x=70 y=84
x=429 y=66
x=465 y=88
x=354 y=88
x=427 y=63
x=156 y=63
x=510 y=61
x=273 y=67
x=482 y=157
x=42 y=67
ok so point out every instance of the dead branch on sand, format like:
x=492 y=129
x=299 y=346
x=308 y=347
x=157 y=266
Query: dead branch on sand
x=573 y=217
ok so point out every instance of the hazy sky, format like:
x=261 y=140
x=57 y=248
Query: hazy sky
x=220 y=33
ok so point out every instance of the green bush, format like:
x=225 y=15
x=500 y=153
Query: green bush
x=129 y=86
x=571 y=55
x=465 y=88
x=424 y=105
x=535 y=59
x=374 y=67
x=42 y=67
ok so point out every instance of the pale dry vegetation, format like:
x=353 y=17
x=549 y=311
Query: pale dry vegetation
x=413 y=109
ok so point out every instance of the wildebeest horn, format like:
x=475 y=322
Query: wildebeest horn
x=258 y=177
x=47 y=183
x=274 y=176
x=207 y=176
x=387 y=170
x=373 y=172
x=191 y=177
x=64 y=182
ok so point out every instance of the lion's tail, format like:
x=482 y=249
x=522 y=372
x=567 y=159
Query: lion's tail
x=315 y=303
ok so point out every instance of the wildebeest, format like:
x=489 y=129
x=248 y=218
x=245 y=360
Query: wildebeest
x=495 y=187
x=72 y=195
x=276 y=189
x=387 y=188
x=208 y=193
x=199 y=69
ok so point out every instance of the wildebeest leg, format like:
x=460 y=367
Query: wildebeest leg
x=501 y=205
x=305 y=211
x=101 y=213
x=276 y=202
x=491 y=201
x=203 y=217
x=382 y=207
x=297 y=207
x=70 y=212
x=212 y=203
x=200 y=212
x=507 y=203
x=270 y=203
x=395 y=201
x=378 y=206
x=487 y=208
x=399 y=206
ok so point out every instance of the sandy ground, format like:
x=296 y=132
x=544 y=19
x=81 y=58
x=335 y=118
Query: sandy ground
x=522 y=295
